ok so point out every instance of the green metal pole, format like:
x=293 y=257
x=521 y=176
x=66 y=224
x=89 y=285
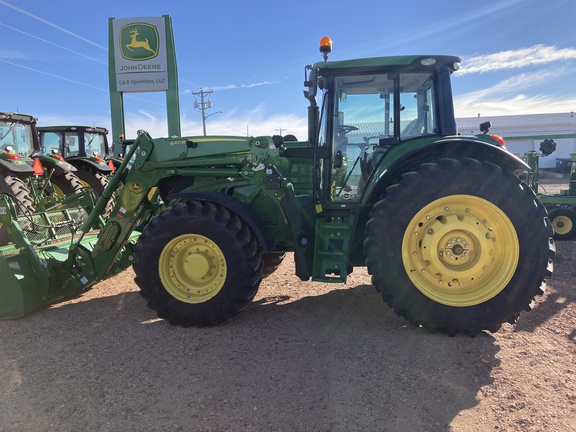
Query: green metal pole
x=172 y=97
x=116 y=97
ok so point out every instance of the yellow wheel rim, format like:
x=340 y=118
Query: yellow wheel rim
x=192 y=268
x=562 y=225
x=58 y=192
x=460 y=250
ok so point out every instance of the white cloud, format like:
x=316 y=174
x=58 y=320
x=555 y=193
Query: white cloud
x=10 y=54
x=252 y=123
x=469 y=105
x=514 y=59
x=239 y=86
x=515 y=95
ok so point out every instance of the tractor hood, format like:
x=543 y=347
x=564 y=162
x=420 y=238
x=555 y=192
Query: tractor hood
x=202 y=150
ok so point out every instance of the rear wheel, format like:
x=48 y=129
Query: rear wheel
x=66 y=184
x=459 y=246
x=96 y=181
x=563 y=220
x=48 y=192
x=21 y=197
x=197 y=264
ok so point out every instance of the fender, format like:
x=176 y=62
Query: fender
x=451 y=147
x=103 y=168
x=58 y=166
x=235 y=206
x=16 y=168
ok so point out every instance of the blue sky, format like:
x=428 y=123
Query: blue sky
x=519 y=57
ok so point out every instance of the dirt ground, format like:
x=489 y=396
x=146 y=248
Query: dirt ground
x=305 y=356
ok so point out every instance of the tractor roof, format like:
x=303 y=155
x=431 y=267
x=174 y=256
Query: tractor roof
x=17 y=117
x=406 y=62
x=89 y=129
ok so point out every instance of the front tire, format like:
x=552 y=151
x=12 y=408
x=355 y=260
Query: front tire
x=459 y=246
x=563 y=220
x=197 y=264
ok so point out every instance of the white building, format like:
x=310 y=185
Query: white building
x=523 y=133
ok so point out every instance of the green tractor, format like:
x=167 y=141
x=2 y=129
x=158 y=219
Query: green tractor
x=86 y=148
x=454 y=240
x=36 y=182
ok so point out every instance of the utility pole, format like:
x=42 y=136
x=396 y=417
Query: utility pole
x=280 y=130
x=203 y=105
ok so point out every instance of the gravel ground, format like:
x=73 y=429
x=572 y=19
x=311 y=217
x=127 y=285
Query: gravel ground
x=305 y=356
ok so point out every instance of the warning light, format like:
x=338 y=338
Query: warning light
x=57 y=157
x=325 y=47
x=498 y=139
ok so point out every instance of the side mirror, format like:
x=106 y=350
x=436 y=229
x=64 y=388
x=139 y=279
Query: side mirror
x=310 y=81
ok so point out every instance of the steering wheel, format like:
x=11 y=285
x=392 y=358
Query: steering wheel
x=344 y=129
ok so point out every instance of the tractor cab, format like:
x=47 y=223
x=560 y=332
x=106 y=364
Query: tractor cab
x=17 y=134
x=75 y=142
x=369 y=108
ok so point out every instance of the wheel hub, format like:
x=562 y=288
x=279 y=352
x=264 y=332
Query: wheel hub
x=192 y=268
x=460 y=250
x=562 y=225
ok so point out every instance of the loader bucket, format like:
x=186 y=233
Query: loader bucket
x=33 y=278
x=20 y=290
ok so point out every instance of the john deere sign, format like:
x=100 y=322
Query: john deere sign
x=139 y=41
x=142 y=58
x=140 y=54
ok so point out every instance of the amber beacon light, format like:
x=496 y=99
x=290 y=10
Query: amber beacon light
x=325 y=46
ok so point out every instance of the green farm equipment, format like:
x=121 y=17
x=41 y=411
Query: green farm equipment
x=454 y=241
x=561 y=206
x=36 y=182
x=86 y=148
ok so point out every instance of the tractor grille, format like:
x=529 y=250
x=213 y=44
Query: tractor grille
x=45 y=227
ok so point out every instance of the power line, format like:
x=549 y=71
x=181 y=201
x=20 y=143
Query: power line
x=52 y=75
x=52 y=43
x=62 y=29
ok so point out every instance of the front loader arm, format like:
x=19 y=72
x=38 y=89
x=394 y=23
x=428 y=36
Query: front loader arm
x=112 y=252
x=34 y=277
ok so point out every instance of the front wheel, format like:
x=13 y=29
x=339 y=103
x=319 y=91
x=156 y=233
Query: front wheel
x=563 y=222
x=197 y=264
x=459 y=246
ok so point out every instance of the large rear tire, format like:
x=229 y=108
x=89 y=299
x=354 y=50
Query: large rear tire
x=459 y=246
x=21 y=198
x=97 y=181
x=66 y=184
x=197 y=264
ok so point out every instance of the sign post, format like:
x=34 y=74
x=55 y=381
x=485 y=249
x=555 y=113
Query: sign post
x=142 y=58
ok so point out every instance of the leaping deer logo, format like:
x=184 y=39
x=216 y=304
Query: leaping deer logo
x=135 y=43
